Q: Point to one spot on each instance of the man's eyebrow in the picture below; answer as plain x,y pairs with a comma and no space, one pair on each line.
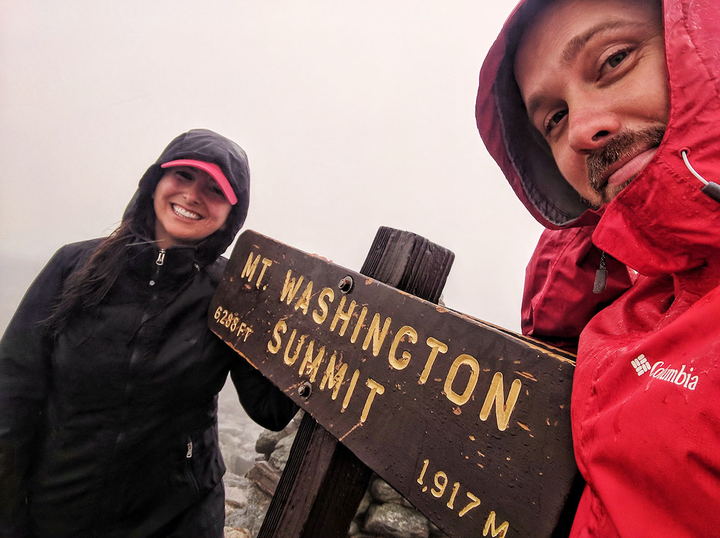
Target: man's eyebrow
573,48
576,44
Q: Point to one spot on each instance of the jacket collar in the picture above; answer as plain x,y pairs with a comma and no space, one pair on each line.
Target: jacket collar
165,267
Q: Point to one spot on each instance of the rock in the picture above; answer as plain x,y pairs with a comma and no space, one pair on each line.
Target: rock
382,492
395,520
236,533
264,476
250,516
233,480
364,503
267,440
279,457
235,497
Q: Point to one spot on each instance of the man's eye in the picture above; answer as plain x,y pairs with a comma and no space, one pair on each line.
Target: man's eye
556,118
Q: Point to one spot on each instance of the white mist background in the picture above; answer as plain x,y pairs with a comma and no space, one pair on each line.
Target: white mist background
355,115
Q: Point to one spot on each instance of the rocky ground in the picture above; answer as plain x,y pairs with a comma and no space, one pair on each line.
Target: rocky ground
255,458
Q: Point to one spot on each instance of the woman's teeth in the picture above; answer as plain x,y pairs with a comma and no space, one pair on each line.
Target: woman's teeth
182,212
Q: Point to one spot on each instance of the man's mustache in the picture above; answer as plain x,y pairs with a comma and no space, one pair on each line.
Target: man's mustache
619,147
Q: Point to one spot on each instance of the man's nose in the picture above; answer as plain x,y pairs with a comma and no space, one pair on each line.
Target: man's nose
590,127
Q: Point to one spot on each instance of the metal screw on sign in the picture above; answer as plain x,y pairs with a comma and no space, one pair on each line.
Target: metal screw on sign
305,390
346,284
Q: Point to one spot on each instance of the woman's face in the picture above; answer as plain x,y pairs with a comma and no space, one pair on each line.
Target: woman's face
189,206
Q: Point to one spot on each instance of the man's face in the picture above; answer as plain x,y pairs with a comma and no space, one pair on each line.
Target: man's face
592,76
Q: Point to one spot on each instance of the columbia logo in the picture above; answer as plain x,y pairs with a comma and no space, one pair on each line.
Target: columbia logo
641,365
684,377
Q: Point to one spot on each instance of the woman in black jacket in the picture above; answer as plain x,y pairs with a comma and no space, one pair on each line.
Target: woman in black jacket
109,374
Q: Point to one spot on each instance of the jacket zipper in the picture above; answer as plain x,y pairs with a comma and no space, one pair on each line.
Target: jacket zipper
134,357
158,264
188,467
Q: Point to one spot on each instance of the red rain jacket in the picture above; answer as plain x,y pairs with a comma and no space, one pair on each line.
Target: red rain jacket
558,298
646,422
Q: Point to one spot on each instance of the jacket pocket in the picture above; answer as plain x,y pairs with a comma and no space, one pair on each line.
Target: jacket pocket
189,474
204,466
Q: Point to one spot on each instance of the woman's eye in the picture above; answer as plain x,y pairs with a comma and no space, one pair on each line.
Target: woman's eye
617,58
184,175
215,190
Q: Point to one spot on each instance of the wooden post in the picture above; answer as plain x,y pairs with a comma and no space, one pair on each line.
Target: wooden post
323,482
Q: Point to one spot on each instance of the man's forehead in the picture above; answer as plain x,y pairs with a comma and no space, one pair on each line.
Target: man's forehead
565,27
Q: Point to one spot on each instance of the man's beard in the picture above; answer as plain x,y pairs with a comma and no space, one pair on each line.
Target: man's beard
619,147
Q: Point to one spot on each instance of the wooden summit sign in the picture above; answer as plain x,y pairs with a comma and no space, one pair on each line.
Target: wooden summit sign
471,423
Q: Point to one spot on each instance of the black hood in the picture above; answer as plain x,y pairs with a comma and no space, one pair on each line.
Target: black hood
202,145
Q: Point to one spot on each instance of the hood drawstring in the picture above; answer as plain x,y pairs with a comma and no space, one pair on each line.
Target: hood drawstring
711,188
600,276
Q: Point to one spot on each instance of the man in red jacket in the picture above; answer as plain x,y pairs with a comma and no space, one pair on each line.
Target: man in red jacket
603,116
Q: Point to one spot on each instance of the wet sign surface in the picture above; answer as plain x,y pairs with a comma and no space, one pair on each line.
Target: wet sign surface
470,422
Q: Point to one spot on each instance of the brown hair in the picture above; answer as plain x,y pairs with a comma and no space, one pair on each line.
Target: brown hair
90,283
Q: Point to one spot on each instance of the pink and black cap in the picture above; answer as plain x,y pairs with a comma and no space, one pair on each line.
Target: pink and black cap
213,169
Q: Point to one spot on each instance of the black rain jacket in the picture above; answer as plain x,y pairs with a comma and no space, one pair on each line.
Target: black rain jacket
110,429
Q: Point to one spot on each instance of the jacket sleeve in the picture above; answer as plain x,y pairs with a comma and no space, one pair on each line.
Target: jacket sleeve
558,299
263,402
25,380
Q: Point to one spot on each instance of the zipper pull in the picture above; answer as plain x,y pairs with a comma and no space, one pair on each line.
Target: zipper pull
600,276
189,450
160,260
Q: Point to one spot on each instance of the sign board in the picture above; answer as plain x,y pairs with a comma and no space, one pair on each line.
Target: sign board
471,423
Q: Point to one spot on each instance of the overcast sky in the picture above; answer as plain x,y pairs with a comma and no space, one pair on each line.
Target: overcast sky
355,115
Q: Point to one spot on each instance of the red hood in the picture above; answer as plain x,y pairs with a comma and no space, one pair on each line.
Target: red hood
692,44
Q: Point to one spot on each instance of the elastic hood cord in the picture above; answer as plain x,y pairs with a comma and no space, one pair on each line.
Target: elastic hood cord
600,276
711,188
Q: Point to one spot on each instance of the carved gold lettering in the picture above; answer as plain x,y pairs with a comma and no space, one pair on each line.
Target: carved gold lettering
454,397
319,318
288,359
266,263
474,501
279,326
436,346
303,302
310,366
496,394
396,363
250,266
350,390
375,335
290,287
496,532
440,483
375,388
344,316
332,379
359,324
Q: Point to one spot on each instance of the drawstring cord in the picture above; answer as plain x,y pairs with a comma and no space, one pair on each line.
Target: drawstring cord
711,189
600,276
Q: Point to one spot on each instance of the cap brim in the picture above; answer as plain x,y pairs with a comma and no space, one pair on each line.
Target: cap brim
215,172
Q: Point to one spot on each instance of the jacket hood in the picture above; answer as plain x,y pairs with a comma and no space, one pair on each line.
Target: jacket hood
203,145
692,51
